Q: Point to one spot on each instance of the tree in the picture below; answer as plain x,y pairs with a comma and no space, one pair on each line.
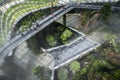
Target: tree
65,35
115,75
83,71
62,74
75,66
41,72
86,16
51,40
105,12
117,48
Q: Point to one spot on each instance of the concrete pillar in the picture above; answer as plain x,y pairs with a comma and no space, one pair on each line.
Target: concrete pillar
64,19
52,76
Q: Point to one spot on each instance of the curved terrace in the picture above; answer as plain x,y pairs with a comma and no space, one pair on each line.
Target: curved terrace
13,14
40,37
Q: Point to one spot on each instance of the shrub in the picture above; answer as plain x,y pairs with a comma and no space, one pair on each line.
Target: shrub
62,74
42,73
65,35
83,71
75,66
115,75
51,40
105,12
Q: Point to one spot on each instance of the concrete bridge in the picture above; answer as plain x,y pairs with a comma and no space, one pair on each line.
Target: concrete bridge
72,49
41,24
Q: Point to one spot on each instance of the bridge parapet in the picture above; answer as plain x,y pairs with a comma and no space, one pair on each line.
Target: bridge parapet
95,1
17,40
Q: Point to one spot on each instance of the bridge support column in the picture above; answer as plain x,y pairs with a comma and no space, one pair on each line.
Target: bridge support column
64,19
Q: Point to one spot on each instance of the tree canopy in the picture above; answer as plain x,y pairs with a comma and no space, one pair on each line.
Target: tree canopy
75,66
62,74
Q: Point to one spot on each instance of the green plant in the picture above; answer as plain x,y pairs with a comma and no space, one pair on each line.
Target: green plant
60,28
111,45
65,35
41,72
98,64
74,66
86,15
105,12
80,75
83,71
12,14
51,40
62,74
115,75
117,48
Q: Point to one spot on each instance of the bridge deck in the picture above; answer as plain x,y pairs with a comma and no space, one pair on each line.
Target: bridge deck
75,50
13,43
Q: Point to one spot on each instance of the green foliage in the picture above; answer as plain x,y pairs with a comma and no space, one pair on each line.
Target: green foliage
117,48
86,15
66,34
64,42
59,31
110,38
105,12
33,45
101,66
51,40
39,0
99,63
108,46
28,20
63,34
80,75
111,45
91,57
84,20
74,66
77,76
60,28
62,74
115,75
58,35
83,71
42,73
26,23
12,14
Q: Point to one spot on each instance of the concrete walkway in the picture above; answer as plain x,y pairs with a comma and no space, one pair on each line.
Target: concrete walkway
25,58
17,40
69,53
97,36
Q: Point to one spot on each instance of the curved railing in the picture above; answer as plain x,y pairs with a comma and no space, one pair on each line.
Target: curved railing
10,45
13,14
94,1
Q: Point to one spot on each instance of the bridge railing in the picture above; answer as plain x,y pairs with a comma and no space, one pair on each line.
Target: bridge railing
17,40
94,1
12,17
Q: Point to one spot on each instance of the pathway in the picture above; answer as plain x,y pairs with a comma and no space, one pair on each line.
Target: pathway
69,53
97,36
26,58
